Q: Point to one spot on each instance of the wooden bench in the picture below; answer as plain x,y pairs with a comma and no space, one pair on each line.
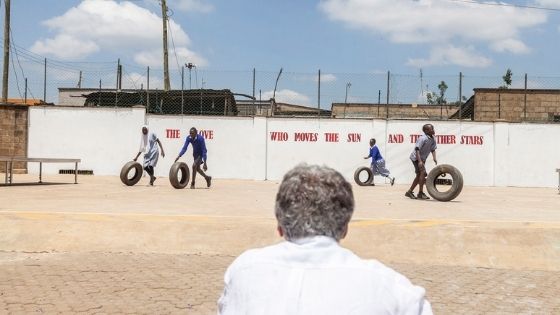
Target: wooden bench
9,160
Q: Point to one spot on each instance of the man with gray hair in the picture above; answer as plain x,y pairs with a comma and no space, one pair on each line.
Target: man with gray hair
310,273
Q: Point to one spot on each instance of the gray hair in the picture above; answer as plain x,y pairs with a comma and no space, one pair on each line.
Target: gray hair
314,200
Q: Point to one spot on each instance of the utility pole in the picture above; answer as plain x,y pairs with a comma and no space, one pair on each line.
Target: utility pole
166,85
6,52
189,66
80,80
348,85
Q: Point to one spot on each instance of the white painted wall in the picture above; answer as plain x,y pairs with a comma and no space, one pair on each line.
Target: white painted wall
524,155
527,155
343,155
235,150
103,138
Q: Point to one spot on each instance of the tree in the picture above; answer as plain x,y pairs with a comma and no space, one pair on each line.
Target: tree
442,89
507,79
434,99
431,98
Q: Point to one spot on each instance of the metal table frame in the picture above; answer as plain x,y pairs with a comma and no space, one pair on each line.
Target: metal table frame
558,170
9,176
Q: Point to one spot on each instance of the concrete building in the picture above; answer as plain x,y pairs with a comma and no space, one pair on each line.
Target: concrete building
516,105
408,111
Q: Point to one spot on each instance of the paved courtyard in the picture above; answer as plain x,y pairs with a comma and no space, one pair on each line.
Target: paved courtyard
128,283
101,247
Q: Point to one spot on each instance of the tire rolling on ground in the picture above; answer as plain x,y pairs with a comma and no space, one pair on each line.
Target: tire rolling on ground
127,168
368,181
456,185
179,175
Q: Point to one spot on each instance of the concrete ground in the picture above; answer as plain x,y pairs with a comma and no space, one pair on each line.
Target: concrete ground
102,247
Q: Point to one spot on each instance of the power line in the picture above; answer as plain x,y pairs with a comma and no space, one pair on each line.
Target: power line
17,78
19,64
68,64
502,4
174,48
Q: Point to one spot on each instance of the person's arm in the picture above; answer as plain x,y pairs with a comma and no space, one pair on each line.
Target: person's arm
204,154
369,155
419,144
161,147
434,147
140,149
418,158
184,149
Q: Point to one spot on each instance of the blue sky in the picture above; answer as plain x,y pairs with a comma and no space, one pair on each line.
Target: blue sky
343,38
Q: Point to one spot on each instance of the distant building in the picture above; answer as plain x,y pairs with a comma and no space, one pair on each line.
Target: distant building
408,111
516,105
29,101
264,108
512,105
186,102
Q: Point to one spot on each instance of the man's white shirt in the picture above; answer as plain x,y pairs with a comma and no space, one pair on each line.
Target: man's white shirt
316,276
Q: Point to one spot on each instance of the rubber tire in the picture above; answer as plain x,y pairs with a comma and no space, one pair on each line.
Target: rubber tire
456,186
357,176
132,165
174,172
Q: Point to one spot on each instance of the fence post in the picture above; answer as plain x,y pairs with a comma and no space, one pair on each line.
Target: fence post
319,94
388,93
460,96
254,83
118,82
148,90
378,103
45,83
182,89
525,100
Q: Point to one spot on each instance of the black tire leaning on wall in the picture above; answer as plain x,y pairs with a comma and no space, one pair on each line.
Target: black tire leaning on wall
368,181
176,168
456,186
132,165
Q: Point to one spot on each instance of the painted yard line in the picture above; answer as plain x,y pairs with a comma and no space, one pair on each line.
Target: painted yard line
358,222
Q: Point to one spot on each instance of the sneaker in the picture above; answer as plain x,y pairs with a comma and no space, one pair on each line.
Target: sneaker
410,195
392,181
152,180
422,195
208,181
192,186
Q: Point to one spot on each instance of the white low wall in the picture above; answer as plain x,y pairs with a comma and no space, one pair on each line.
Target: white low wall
487,154
103,138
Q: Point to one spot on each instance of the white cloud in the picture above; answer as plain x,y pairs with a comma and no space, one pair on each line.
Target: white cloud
287,96
120,27
552,4
65,46
153,58
328,77
193,6
434,21
451,55
511,45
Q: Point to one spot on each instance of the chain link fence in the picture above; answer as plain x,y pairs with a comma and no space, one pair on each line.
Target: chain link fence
201,91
